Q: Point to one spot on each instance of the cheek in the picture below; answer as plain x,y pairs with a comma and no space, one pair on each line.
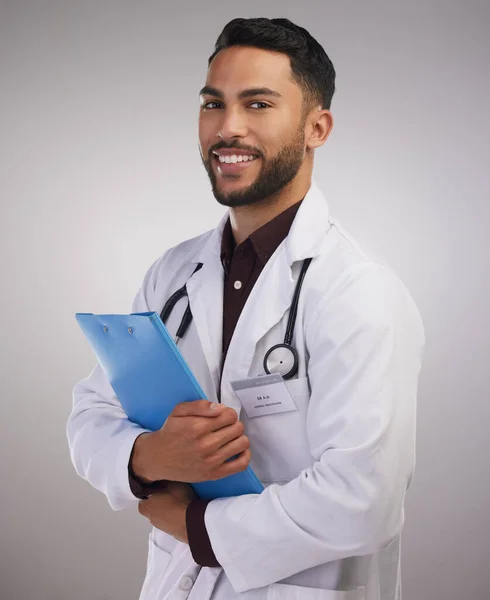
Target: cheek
270,140
207,133
202,139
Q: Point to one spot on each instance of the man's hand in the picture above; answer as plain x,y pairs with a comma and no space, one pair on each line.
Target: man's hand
166,510
193,445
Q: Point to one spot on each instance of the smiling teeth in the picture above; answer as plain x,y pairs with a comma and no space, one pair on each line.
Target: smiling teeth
235,158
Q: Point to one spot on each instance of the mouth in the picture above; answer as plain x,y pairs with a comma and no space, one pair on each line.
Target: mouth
233,163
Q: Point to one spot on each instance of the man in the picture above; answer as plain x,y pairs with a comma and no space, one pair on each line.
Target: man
336,464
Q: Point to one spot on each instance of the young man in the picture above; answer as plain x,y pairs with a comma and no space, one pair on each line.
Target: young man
337,461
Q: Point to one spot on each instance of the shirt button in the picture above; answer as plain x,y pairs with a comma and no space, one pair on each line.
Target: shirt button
237,285
186,583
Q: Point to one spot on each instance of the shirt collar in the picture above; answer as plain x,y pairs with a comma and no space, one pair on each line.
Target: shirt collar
264,240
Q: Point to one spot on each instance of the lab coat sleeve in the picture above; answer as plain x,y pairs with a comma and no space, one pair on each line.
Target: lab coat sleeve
100,436
365,343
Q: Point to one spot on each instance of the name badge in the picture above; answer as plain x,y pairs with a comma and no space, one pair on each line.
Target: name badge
264,395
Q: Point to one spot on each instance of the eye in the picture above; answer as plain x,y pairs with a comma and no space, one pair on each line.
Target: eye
206,105
211,105
264,105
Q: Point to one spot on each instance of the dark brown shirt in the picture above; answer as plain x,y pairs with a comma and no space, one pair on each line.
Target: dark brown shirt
242,265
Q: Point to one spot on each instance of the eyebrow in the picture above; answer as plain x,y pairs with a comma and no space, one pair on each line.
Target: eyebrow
248,93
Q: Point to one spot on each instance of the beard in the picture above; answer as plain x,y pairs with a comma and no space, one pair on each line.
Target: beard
273,176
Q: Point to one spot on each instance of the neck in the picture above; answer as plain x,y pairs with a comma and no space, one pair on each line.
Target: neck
245,220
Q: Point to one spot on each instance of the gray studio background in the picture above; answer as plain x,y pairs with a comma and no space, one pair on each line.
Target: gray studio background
100,173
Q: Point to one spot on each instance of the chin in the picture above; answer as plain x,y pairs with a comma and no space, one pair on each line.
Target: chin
225,194
231,201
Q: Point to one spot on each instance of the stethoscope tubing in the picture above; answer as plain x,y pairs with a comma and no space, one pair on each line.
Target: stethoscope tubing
288,337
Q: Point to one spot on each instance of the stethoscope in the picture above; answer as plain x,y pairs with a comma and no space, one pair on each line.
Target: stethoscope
281,358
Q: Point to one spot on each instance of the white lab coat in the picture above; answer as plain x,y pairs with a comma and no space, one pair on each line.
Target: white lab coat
327,526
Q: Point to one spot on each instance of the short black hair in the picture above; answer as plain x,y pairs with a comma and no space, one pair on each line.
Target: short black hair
311,67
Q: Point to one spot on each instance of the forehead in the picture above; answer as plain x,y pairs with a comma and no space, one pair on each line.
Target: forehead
240,67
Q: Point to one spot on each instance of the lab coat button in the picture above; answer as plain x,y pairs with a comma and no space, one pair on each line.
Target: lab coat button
237,285
186,583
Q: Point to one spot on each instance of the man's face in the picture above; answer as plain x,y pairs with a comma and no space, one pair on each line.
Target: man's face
250,99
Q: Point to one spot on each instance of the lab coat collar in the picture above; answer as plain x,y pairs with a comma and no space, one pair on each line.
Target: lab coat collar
309,227
312,217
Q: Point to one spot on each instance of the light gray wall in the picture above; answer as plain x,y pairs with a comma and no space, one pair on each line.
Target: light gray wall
100,173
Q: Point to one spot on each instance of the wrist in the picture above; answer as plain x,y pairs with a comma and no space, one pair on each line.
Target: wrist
139,458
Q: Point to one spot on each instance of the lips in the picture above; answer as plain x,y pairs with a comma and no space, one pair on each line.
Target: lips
236,167
232,151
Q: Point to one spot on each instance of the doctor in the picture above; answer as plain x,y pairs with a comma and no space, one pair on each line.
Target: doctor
334,447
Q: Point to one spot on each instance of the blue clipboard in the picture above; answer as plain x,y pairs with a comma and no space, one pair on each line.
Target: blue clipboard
150,377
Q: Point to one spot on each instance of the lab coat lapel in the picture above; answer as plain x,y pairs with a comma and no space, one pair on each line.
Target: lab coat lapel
205,291
269,299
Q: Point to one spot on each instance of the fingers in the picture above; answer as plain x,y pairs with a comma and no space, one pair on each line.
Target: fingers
233,448
227,417
237,465
224,435
197,408
222,416
181,491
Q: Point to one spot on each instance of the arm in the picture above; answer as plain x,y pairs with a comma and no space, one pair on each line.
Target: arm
139,486
365,347
119,458
100,436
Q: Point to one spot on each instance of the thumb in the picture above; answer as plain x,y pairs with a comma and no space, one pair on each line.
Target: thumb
181,491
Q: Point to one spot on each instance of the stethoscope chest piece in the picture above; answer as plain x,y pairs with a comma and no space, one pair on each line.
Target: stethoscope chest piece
282,359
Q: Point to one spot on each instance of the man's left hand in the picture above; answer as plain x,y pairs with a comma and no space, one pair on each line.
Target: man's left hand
166,509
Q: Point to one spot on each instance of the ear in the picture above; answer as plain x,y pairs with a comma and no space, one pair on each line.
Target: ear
320,126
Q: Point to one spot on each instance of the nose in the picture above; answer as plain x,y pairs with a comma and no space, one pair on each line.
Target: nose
232,124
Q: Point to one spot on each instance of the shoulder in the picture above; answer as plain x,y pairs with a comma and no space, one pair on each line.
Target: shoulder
174,258
351,281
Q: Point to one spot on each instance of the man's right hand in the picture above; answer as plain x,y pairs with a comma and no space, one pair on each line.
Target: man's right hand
193,445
